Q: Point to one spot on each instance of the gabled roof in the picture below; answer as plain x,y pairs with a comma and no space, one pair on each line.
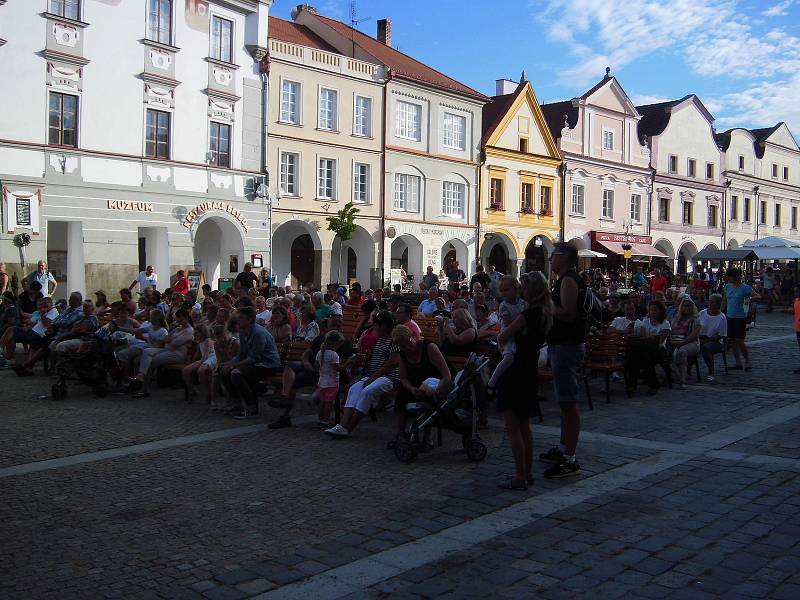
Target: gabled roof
763,134
554,115
401,64
498,113
286,31
496,109
723,140
655,117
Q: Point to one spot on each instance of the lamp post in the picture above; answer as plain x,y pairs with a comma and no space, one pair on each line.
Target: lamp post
626,225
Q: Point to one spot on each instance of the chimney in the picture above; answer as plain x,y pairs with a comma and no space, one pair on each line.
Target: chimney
504,86
300,8
385,31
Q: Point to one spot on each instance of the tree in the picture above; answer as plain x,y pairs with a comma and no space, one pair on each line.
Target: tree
343,225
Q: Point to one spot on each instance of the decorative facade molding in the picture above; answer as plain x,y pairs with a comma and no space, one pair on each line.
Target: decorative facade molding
64,77
69,59
687,196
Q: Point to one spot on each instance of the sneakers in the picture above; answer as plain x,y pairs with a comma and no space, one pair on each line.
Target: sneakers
246,414
281,423
337,431
554,455
711,379
562,469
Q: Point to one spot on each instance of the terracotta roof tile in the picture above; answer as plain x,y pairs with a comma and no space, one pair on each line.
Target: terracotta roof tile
286,31
401,64
495,110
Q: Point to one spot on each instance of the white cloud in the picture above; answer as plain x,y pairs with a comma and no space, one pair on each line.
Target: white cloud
642,99
778,10
762,105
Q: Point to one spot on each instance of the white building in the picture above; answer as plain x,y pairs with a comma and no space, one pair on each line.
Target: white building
688,187
135,135
762,173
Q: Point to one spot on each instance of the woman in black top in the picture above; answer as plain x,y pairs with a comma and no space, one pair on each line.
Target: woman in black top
529,330
423,372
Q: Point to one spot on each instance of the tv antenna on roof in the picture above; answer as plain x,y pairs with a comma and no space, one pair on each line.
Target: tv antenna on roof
354,22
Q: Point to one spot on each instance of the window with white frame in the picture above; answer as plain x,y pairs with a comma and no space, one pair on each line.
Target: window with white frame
741,162
290,102
289,180
608,139
712,215
673,164
407,120
777,221
746,210
709,171
688,212
159,21
636,208
326,179
691,168
71,9
221,39
327,109
453,196
794,217
63,120
453,128
578,204
219,144
360,183
157,134
786,173
608,204
545,199
406,192
362,116
775,170
734,216
663,209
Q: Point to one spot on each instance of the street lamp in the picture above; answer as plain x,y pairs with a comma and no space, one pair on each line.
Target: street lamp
626,225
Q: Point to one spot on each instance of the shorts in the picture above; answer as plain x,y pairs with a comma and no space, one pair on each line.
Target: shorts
30,337
737,328
566,361
302,376
328,395
211,361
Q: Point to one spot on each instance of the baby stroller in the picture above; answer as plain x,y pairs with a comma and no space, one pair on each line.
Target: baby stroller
89,367
458,413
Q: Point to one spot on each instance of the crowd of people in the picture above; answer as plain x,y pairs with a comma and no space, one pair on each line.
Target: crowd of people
225,343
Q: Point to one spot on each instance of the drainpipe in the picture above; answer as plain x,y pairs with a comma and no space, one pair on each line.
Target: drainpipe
562,170
481,163
724,214
382,210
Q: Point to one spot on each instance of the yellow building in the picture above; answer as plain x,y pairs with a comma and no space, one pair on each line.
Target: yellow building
520,190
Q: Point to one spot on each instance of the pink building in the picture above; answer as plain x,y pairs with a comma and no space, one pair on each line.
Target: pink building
608,179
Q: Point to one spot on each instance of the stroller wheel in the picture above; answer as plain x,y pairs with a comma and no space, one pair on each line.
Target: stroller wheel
476,451
405,451
55,391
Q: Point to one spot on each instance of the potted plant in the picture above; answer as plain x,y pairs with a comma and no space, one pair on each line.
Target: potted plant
527,210
495,206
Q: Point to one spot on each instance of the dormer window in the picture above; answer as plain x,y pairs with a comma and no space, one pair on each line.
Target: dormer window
608,139
741,162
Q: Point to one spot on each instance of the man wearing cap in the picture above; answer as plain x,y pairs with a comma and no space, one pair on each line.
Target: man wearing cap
44,277
247,279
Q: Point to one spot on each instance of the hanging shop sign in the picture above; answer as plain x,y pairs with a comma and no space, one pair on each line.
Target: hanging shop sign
601,236
204,207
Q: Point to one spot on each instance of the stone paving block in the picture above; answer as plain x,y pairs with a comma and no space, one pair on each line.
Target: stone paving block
224,593
237,576
257,586
753,589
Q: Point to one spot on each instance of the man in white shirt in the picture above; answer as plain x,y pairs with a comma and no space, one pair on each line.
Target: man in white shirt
145,279
713,328
627,322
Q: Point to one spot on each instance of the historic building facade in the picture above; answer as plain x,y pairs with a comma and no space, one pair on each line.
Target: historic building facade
147,154
762,176
520,187
325,149
431,143
688,194
607,178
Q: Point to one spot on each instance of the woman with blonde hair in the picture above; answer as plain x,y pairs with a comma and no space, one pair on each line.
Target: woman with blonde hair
458,334
529,330
683,341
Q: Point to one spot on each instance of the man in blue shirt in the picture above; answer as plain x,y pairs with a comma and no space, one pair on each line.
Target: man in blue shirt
428,306
735,294
258,358
44,277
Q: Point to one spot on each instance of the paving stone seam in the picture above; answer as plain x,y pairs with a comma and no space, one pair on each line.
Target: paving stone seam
368,571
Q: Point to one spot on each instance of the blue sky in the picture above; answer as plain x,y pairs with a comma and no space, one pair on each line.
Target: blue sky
742,58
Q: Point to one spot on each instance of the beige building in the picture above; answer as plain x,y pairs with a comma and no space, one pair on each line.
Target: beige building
432,131
325,144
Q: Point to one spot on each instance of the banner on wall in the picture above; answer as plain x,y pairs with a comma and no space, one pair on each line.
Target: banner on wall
197,15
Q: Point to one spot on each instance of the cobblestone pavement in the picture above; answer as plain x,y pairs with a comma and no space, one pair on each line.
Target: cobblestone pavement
691,494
